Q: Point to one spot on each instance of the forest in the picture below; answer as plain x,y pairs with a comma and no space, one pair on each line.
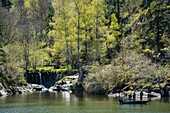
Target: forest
117,42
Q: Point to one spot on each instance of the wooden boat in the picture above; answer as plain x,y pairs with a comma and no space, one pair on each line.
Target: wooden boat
123,101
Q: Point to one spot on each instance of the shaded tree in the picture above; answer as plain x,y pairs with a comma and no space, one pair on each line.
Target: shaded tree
155,29
6,4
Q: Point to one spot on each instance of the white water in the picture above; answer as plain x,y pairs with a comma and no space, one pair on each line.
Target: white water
40,79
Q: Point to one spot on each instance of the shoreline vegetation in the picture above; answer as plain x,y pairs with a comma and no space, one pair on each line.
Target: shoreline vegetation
114,80
96,47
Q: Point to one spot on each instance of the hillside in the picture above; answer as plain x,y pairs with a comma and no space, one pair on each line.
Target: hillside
119,42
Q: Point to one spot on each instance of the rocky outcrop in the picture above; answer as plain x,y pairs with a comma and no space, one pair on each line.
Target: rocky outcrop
30,88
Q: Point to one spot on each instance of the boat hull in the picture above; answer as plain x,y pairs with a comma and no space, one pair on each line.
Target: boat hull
133,101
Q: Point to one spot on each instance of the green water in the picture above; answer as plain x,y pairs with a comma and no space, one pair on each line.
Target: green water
69,103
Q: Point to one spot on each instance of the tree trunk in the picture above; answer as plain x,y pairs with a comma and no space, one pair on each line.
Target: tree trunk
78,43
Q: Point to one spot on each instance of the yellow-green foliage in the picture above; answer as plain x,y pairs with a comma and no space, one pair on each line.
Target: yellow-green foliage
29,40
48,68
94,34
29,3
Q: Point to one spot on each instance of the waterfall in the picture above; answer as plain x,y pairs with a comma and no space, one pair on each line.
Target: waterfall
47,79
40,78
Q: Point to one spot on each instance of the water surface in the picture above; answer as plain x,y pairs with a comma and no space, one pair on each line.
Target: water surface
69,103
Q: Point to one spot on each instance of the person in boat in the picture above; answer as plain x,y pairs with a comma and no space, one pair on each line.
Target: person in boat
129,94
134,95
120,100
141,95
123,101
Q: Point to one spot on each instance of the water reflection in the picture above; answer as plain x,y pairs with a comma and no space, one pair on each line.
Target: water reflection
65,102
165,99
66,96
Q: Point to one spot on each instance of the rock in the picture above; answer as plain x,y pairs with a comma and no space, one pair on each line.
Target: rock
3,93
116,94
13,91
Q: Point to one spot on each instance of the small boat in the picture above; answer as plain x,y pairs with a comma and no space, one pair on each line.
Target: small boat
123,101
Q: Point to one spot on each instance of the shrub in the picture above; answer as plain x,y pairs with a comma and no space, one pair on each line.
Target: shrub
124,70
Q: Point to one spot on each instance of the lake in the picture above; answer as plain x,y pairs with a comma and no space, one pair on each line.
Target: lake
64,102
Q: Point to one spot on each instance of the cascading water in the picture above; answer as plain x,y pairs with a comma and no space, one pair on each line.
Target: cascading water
47,79
40,79
43,88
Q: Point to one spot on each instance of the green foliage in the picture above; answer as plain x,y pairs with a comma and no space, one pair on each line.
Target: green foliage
49,17
94,34
45,68
50,69
154,30
21,79
74,33
1,34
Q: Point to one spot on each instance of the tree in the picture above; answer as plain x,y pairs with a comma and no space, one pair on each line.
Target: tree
92,30
106,33
39,14
112,38
63,33
155,29
6,4
78,7
7,26
12,51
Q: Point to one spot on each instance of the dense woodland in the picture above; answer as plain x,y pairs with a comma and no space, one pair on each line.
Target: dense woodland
118,42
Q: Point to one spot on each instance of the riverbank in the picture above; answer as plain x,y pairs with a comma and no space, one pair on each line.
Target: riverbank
29,88
34,88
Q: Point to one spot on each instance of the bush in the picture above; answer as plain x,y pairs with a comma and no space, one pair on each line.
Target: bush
123,71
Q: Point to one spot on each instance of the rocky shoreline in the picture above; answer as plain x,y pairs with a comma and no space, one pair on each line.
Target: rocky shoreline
30,88
16,90
71,85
